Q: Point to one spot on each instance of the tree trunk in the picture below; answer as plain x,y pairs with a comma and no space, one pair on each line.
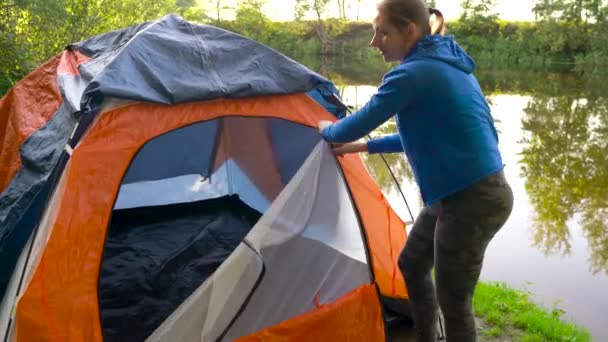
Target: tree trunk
218,5
324,39
321,33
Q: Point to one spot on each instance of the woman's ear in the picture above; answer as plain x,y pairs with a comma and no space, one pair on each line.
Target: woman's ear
412,30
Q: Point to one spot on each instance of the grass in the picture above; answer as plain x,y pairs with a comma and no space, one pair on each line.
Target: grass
510,314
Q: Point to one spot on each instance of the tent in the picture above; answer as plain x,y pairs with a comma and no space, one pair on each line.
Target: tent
166,182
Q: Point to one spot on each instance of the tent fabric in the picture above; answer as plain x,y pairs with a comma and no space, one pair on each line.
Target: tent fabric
322,238
7,303
264,154
143,237
311,224
34,127
155,257
211,307
29,259
245,141
175,153
25,109
354,317
384,231
37,127
139,63
291,144
113,141
228,179
67,93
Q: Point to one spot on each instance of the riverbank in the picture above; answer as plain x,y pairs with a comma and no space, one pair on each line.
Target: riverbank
506,314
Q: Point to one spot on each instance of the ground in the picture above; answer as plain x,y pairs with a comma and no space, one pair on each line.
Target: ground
405,333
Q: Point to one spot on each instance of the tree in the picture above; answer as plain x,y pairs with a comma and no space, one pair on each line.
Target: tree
571,27
219,6
184,5
35,30
478,9
11,65
341,9
251,20
478,19
302,7
577,12
319,8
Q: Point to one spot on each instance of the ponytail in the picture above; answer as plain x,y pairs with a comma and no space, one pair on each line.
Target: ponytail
436,22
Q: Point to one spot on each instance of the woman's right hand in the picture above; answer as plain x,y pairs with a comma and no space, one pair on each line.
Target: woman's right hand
353,147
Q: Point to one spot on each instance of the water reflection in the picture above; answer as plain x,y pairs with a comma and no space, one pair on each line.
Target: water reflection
565,164
396,161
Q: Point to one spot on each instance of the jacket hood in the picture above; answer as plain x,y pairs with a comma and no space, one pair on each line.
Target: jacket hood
444,49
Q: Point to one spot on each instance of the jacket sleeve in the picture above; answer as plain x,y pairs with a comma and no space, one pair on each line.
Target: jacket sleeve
385,144
392,96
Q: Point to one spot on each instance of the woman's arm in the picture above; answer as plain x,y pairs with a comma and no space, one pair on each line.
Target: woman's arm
391,97
354,147
385,144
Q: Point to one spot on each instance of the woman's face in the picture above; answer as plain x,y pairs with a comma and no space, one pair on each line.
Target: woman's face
393,42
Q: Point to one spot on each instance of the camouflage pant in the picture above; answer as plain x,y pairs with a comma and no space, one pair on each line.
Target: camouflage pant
452,235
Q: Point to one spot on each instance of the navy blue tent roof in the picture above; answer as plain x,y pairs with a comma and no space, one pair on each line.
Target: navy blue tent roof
172,60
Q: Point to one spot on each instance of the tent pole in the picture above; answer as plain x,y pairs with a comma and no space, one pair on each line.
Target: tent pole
398,186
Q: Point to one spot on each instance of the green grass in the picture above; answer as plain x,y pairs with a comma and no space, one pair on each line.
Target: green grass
511,313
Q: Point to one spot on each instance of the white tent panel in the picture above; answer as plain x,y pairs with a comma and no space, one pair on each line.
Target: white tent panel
311,245
229,179
315,204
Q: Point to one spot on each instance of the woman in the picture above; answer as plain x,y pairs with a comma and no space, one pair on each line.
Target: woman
447,132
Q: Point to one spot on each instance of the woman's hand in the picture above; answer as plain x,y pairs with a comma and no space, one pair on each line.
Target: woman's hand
354,147
340,149
323,124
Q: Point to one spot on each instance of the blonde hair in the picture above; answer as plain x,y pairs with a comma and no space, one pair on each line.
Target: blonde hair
402,12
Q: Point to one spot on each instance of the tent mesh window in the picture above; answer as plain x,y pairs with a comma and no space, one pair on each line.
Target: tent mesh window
187,200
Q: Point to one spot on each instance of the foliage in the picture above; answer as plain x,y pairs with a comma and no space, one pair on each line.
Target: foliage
35,30
252,21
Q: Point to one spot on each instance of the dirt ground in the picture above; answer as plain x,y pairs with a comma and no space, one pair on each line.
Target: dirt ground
401,333
405,333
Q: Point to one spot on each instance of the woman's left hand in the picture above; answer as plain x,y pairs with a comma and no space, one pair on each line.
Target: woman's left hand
323,124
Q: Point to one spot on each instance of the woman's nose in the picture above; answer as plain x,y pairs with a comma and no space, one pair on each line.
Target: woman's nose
373,42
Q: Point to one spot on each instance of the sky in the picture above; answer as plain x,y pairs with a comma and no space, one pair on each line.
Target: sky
282,10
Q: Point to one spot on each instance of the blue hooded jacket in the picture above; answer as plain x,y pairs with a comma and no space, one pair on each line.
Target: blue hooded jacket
444,122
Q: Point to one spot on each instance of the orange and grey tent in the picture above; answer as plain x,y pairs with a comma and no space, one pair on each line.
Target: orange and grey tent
166,182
